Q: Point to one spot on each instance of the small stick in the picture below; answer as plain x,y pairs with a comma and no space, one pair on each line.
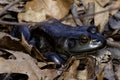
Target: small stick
29,23
110,9
19,24
113,44
115,32
13,23
75,16
8,6
91,9
93,14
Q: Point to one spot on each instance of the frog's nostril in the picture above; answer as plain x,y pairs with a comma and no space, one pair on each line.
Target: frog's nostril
93,29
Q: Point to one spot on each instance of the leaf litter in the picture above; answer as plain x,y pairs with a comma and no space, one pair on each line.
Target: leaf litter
19,57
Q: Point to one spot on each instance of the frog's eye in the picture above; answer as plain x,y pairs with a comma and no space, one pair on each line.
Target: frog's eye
71,43
93,29
84,39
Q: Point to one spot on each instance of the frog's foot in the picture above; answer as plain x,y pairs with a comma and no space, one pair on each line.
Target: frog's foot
56,58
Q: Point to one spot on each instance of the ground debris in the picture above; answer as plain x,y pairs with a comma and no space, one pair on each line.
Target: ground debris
19,58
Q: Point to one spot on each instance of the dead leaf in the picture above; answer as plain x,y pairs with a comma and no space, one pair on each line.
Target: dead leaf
23,64
39,10
90,67
6,55
32,50
101,19
101,75
69,21
82,75
115,4
19,7
8,42
27,65
72,73
103,3
87,1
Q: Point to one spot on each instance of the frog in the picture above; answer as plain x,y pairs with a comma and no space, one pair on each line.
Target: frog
56,40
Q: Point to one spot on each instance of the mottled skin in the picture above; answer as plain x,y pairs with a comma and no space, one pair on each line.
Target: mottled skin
58,38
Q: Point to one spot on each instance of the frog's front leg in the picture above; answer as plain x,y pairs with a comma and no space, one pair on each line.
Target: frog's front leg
17,32
55,57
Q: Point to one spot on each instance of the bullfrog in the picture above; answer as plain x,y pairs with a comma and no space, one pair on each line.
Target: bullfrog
54,38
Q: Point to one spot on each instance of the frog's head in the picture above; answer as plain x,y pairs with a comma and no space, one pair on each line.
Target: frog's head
86,40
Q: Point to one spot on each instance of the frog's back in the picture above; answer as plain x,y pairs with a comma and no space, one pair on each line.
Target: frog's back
57,29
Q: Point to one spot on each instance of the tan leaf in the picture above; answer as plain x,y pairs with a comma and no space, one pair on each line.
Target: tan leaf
115,4
8,42
101,75
90,67
27,65
39,10
103,3
72,73
101,19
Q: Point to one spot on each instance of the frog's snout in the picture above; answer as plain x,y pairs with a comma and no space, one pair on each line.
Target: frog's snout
95,43
98,43
97,40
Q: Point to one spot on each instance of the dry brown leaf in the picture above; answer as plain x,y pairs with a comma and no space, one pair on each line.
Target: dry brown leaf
31,49
86,2
115,4
40,10
104,64
6,55
69,21
19,7
101,19
103,3
101,75
8,42
2,34
105,70
23,64
27,65
72,73
90,67
82,75
118,73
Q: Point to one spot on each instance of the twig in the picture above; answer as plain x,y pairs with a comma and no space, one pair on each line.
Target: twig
75,15
8,6
30,23
89,19
93,14
115,32
13,23
113,44
19,24
110,9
